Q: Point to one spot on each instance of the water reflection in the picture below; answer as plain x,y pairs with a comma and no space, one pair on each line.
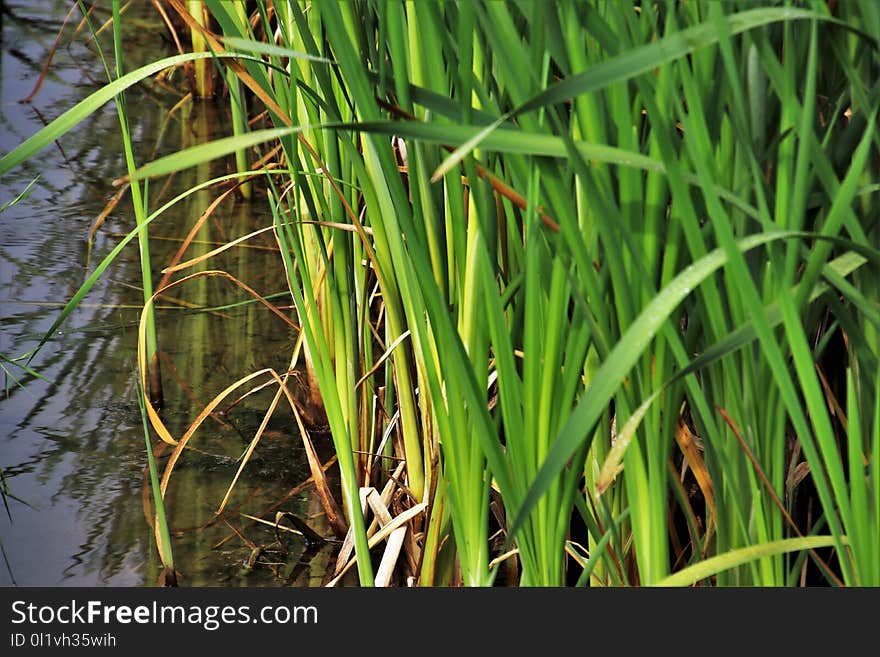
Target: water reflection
74,449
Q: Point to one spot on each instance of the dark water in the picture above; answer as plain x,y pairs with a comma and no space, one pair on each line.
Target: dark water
72,451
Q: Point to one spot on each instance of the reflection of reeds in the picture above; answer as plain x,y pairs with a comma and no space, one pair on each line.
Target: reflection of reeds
6,495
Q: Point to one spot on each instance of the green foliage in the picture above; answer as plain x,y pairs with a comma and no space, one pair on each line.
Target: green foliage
598,272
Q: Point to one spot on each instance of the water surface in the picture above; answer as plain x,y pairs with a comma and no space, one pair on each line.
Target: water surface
72,451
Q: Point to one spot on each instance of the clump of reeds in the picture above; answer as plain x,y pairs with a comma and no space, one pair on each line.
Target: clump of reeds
588,290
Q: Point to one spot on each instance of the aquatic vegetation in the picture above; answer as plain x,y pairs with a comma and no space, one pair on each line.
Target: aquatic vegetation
585,293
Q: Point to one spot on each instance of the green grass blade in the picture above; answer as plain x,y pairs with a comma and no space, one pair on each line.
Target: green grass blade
598,551
22,195
23,367
195,155
260,48
87,107
163,536
714,565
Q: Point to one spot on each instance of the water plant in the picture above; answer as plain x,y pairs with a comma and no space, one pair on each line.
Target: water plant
587,290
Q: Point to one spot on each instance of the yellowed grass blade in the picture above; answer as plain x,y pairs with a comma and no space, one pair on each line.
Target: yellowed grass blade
210,254
688,445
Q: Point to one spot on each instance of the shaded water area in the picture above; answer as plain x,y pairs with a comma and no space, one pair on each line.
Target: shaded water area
73,451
